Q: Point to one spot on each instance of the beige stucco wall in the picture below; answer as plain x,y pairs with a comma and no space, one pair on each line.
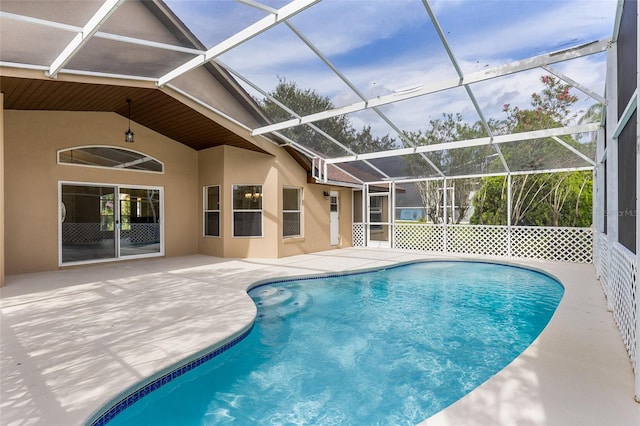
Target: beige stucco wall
32,176
32,139
2,272
251,168
315,215
211,172
227,166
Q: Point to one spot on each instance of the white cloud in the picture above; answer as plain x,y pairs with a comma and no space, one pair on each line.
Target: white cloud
341,29
554,24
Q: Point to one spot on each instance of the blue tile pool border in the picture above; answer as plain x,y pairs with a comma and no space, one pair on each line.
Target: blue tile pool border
130,398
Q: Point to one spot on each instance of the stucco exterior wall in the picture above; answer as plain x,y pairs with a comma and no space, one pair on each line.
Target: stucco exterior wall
32,139
2,272
250,168
211,172
32,176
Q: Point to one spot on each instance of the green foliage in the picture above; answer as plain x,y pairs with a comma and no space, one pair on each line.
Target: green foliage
490,202
305,102
451,162
541,199
549,108
555,199
550,199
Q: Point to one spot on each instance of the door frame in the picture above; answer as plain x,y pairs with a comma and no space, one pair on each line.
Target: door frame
334,219
386,226
116,187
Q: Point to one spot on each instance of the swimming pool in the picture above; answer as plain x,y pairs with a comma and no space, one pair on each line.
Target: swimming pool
388,347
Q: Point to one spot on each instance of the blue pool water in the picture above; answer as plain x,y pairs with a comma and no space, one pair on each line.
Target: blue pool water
387,347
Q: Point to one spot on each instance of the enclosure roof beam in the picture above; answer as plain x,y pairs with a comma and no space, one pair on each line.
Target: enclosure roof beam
293,113
100,34
575,151
357,91
631,107
575,84
456,65
513,137
82,37
483,175
507,69
284,13
342,77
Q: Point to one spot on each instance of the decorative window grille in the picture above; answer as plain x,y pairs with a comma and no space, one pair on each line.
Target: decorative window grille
109,157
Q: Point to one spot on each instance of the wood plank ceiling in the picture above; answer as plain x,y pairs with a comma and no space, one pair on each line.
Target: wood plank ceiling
151,108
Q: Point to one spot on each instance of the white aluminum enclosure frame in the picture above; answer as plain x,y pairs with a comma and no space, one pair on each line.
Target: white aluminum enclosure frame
275,17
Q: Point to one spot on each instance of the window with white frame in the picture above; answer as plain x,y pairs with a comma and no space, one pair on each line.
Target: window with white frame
109,157
211,207
291,212
247,210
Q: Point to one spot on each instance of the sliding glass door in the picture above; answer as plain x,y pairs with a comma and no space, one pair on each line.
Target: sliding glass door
102,222
139,221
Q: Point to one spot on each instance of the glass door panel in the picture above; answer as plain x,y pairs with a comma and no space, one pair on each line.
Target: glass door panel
88,223
139,221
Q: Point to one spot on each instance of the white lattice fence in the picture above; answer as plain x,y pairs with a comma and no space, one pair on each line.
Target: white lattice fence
528,242
552,243
601,260
83,233
358,235
623,287
419,237
142,233
479,239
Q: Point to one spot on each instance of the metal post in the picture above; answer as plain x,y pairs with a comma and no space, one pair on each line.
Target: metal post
365,215
392,214
637,360
509,214
453,203
444,214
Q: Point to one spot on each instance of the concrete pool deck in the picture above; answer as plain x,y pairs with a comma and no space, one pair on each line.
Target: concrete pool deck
74,339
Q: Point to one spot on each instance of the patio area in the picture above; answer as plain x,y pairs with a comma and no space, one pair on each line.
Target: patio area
75,339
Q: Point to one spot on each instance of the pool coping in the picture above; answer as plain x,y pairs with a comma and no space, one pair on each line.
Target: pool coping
125,399
252,272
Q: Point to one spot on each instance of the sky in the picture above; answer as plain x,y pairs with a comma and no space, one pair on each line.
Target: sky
387,46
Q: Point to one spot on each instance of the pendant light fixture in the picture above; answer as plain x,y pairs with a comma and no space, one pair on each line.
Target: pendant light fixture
128,135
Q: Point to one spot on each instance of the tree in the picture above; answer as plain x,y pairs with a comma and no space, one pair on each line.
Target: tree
551,199
450,127
490,202
305,102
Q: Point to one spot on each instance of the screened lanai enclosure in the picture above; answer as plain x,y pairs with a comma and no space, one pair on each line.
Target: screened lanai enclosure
492,128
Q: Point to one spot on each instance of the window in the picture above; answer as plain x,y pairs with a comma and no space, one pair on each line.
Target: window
109,157
291,201
247,210
211,207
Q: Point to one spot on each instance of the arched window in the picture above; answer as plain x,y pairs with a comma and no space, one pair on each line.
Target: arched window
109,157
